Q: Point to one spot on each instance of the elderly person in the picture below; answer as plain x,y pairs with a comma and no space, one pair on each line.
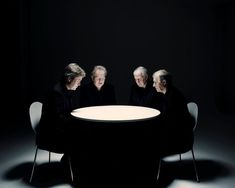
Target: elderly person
141,91
98,91
177,124
61,99
94,93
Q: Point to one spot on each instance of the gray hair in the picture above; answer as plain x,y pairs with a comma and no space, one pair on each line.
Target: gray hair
164,76
98,67
141,70
72,71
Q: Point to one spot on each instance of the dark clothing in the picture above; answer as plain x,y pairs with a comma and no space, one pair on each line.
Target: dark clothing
175,132
90,138
176,115
91,96
141,96
147,97
56,118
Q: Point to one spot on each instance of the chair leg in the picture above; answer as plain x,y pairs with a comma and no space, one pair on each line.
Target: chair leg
70,168
195,168
34,163
49,156
159,168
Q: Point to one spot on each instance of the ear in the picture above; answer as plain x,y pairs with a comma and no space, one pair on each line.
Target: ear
69,80
163,83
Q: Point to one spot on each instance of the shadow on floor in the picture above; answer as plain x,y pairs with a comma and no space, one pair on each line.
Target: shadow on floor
45,175
208,170
55,173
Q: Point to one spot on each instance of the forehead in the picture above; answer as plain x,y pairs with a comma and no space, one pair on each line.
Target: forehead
78,78
156,78
139,76
99,72
138,73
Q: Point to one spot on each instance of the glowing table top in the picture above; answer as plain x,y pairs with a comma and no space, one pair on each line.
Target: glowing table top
115,113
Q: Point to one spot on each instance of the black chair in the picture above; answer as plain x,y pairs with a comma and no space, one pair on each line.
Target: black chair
193,110
35,111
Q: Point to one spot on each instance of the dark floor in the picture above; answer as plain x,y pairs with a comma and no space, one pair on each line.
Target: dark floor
214,151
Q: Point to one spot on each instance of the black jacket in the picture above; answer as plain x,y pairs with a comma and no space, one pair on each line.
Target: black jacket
90,96
56,119
141,96
177,123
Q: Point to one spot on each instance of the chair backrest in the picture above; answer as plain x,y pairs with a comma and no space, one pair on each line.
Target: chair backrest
35,112
193,110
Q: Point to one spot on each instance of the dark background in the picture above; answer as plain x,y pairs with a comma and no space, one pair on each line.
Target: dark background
193,39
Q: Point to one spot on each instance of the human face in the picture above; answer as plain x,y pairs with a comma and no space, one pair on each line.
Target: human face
140,80
99,79
157,84
75,83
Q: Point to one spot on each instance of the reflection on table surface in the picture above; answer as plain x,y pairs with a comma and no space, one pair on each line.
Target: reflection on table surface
115,113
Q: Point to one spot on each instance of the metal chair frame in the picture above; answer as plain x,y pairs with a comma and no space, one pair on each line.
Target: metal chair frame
193,110
35,111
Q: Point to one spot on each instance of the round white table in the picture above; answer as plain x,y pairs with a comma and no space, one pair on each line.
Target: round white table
115,113
109,133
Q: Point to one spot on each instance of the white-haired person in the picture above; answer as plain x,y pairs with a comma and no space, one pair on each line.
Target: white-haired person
98,91
58,102
176,129
142,93
141,90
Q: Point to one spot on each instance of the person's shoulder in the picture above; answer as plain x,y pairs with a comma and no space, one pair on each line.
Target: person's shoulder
87,86
177,94
178,91
57,87
157,95
108,85
133,86
52,92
